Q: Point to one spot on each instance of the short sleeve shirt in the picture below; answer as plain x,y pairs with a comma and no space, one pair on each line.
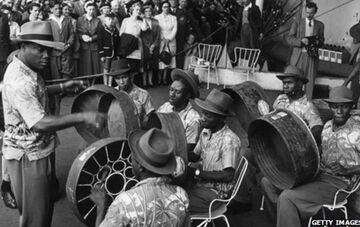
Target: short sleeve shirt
25,102
218,151
342,144
190,119
152,202
302,107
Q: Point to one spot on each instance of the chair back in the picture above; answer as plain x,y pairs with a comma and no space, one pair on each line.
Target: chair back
239,176
246,58
208,52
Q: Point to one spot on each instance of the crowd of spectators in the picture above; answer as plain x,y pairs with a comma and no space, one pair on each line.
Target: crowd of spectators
99,33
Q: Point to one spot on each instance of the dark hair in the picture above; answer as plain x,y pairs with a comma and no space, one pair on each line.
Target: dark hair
162,3
32,5
52,5
312,5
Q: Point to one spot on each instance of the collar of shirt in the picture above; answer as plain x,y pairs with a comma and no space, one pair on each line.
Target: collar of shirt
208,134
58,20
88,18
155,180
246,8
25,68
307,22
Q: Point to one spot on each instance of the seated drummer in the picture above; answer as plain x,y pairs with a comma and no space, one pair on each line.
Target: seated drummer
340,164
218,149
294,99
152,201
183,88
141,97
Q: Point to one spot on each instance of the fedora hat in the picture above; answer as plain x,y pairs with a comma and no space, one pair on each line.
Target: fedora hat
292,71
120,68
216,102
39,32
154,150
340,94
189,77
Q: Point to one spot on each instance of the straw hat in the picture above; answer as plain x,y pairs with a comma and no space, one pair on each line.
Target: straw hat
154,150
216,102
39,32
292,71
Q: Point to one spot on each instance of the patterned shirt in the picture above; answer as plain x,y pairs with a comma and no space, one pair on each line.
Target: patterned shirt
25,102
152,202
142,101
342,144
217,152
302,107
190,119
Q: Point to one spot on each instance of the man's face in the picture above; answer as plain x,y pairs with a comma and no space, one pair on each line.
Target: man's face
173,3
290,85
57,10
182,4
147,13
66,11
9,3
115,6
35,12
341,112
124,82
177,93
36,56
209,120
310,13
90,10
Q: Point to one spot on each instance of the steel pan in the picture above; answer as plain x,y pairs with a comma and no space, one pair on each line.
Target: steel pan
248,98
284,148
118,105
106,162
173,126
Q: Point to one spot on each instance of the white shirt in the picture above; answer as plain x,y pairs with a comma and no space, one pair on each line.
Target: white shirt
309,31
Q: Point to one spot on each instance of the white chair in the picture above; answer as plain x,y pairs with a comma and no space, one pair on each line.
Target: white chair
220,212
246,59
207,58
339,205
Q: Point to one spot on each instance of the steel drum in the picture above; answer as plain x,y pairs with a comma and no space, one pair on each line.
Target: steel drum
173,126
118,105
107,162
284,148
249,98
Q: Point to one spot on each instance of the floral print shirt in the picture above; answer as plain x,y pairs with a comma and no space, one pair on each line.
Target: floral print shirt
302,107
218,151
190,119
152,202
25,102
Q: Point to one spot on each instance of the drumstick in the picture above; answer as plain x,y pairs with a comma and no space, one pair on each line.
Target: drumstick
85,77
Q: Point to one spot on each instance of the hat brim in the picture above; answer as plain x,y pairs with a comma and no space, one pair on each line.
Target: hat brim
211,108
133,141
286,75
120,73
52,44
338,100
181,74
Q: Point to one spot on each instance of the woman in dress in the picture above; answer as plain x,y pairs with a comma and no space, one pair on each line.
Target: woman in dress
133,26
151,41
87,27
168,27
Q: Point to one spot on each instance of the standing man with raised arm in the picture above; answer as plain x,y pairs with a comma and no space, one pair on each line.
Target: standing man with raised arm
29,138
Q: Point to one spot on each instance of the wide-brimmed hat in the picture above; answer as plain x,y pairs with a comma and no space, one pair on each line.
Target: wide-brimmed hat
292,71
340,94
154,150
189,77
39,32
216,102
121,67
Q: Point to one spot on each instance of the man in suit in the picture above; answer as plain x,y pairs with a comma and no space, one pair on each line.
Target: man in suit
297,39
